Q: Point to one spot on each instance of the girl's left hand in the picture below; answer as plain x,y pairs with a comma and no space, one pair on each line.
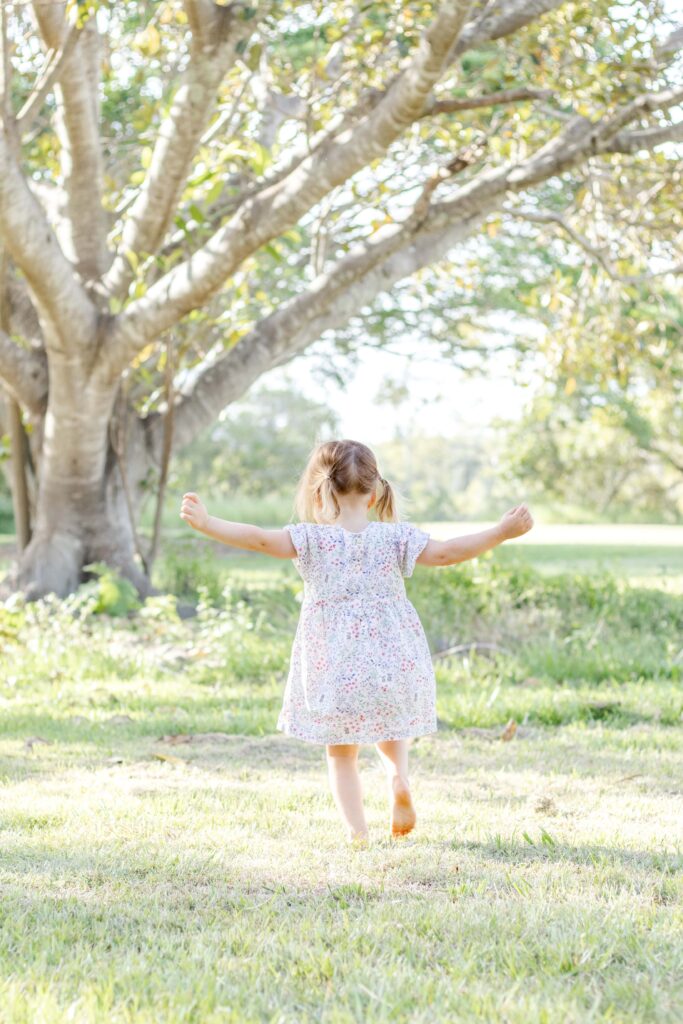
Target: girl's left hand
193,511
516,521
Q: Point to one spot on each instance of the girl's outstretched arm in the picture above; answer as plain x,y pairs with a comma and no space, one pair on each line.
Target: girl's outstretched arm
277,543
514,523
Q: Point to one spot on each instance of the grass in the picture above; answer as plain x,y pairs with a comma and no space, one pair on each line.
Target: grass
543,884
150,872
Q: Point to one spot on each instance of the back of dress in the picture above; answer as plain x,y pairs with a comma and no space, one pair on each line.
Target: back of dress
361,670
337,564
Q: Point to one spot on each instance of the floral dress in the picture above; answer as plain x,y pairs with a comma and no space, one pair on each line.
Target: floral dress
360,669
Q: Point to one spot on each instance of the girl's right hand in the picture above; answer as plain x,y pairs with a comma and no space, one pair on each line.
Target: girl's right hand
516,521
193,511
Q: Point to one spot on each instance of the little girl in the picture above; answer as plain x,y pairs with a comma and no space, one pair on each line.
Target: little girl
361,670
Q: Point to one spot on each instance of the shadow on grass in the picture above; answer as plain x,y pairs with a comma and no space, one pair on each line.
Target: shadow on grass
614,754
512,852
145,883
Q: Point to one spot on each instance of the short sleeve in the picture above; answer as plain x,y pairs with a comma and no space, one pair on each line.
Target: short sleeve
301,541
411,541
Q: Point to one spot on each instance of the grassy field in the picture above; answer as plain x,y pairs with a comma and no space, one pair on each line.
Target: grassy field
543,883
165,856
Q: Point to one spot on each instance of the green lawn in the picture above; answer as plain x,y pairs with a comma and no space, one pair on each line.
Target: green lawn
166,856
543,883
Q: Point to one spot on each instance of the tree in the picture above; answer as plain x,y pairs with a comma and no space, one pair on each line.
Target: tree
204,190
607,420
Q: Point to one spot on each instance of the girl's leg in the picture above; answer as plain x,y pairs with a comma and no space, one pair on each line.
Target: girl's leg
342,766
394,756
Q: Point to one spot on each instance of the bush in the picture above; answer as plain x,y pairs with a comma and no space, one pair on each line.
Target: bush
568,626
187,568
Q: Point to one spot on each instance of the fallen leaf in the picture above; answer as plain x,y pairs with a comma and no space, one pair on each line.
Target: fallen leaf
509,731
169,759
546,805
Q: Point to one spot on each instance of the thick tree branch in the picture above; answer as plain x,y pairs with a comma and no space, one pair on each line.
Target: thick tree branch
646,103
5,71
335,296
647,138
501,19
223,208
23,319
206,18
78,109
24,374
217,32
273,210
54,62
30,241
330,302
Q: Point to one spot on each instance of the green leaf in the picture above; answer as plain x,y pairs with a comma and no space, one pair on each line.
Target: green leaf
133,259
116,595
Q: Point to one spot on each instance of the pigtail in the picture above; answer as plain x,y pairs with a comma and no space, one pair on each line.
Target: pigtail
325,505
316,500
386,506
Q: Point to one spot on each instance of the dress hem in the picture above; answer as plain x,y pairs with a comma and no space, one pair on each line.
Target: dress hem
355,739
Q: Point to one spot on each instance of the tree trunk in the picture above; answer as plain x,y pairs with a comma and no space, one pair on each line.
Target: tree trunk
81,513
20,499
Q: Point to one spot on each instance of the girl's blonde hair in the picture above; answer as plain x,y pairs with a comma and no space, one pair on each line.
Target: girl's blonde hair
337,468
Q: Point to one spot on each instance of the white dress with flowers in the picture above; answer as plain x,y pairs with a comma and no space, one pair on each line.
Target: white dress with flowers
360,669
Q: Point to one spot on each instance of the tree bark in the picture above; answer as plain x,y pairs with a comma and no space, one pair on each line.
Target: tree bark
20,501
77,122
81,514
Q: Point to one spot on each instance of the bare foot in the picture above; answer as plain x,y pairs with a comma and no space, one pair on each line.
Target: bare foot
403,816
359,840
